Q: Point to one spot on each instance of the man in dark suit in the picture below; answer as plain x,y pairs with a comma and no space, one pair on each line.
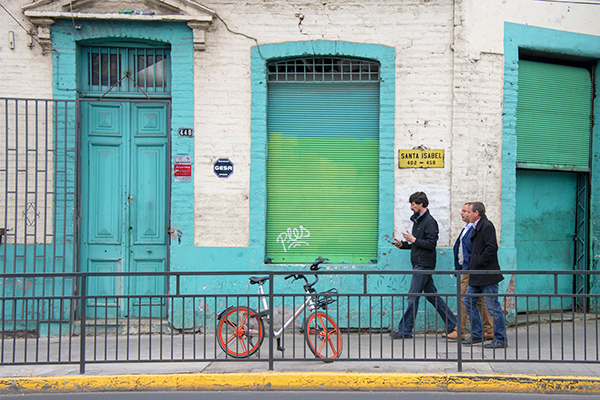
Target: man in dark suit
484,257
462,255
421,242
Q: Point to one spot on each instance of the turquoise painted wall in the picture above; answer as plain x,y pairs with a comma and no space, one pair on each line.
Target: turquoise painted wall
251,258
259,58
552,42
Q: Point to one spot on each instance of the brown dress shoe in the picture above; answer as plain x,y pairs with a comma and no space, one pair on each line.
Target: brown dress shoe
453,335
489,336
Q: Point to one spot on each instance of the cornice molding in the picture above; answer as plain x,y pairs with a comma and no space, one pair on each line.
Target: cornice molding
44,13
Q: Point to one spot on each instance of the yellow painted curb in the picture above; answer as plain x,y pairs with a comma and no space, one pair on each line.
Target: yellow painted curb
304,381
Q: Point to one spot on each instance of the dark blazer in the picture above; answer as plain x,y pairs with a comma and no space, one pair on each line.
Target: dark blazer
484,254
422,251
467,248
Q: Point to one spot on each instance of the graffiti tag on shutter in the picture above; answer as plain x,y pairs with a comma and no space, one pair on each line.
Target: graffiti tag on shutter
292,238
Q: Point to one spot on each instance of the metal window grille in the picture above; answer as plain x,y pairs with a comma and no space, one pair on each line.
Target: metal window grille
125,70
323,70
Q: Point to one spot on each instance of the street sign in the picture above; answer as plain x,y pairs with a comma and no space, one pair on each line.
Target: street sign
421,158
223,168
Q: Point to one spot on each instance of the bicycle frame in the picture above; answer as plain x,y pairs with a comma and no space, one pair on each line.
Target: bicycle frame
308,304
241,328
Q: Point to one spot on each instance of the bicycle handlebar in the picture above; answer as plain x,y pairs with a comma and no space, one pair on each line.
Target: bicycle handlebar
296,277
313,267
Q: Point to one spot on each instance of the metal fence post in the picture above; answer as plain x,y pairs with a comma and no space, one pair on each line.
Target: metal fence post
271,325
82,333
459,332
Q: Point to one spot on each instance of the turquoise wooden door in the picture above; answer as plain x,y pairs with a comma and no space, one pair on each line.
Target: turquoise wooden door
546,208
124,204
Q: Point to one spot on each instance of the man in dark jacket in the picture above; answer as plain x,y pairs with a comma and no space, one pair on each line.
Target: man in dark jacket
484,257
422,244
462,255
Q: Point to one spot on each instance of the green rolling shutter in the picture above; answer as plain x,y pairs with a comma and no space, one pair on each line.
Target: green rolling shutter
322,172
554,109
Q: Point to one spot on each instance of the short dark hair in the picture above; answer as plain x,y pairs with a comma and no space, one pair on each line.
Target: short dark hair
419,198
479,207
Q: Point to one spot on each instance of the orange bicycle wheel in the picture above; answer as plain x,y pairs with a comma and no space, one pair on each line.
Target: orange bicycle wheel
322,335
240,332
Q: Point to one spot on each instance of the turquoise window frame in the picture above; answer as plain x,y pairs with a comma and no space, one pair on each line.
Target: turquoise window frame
550,41
260,56
128,56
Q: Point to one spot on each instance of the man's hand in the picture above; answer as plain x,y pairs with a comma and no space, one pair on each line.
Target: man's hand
397,243
408,237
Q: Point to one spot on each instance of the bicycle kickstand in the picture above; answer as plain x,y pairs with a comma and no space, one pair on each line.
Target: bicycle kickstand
279,347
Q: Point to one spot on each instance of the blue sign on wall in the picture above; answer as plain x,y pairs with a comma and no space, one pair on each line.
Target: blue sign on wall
223,168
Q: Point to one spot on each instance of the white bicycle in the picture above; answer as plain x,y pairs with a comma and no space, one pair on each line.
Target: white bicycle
241,329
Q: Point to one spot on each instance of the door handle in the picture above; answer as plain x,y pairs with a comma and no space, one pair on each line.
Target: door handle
149,250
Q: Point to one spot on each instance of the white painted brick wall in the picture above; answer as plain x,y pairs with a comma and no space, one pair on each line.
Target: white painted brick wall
26,73
448,91
475,157
448,95
27,212
421,31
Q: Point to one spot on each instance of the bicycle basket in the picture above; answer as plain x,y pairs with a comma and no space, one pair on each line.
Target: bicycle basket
323,299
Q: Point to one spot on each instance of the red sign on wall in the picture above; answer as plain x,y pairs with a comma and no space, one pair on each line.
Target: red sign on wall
183,170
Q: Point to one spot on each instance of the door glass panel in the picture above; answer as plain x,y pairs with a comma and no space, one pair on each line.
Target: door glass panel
150,70
104,68
125,70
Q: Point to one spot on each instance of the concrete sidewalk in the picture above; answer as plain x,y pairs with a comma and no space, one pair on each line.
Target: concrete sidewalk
482,369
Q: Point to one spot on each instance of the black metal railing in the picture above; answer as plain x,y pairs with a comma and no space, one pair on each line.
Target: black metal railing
66,323
39,150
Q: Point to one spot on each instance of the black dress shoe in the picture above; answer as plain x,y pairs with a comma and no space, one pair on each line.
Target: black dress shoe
496,345
472,340
400,335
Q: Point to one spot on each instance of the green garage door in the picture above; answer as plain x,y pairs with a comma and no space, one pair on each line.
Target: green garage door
553,153
545,231
323,161
553,115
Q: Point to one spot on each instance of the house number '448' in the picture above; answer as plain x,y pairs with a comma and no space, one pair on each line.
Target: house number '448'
187,132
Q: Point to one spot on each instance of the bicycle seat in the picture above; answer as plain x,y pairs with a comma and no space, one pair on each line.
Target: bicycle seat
258,279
